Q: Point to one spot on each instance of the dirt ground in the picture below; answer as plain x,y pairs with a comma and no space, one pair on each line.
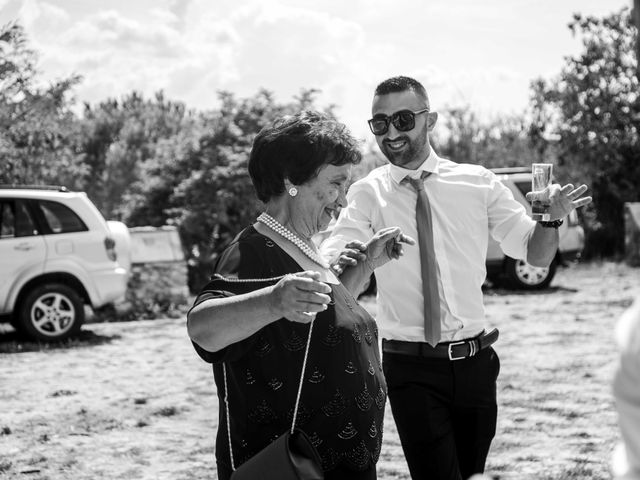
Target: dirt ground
133,401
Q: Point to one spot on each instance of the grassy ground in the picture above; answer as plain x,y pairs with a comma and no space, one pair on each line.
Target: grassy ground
132,400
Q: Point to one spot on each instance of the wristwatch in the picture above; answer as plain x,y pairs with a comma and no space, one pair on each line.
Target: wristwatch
554,224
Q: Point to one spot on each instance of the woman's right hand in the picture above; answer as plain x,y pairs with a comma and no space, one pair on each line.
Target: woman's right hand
299,296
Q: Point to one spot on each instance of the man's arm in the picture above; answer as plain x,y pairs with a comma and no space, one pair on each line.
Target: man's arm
542,246
543,242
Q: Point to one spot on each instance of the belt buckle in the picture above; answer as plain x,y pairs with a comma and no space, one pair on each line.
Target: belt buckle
450,346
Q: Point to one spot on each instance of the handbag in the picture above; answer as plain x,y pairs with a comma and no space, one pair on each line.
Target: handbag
291,456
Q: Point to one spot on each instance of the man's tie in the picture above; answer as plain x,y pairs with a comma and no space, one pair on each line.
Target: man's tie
427,262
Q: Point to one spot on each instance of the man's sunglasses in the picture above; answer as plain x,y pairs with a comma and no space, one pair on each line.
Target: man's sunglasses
404,120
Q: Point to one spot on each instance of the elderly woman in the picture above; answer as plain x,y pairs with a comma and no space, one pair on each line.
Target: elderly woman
270,283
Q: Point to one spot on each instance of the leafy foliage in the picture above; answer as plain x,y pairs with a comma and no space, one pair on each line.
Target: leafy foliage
37,129
118,137
589,116
498,142
198,178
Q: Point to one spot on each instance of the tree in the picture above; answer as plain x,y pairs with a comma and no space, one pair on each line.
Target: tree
590,116
17,62
636,18
496,142
37,128
118,137
198,180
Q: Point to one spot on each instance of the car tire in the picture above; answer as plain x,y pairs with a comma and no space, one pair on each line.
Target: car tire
523,276
14,322
495,280
51,312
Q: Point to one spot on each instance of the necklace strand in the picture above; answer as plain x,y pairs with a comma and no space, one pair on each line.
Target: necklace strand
280,229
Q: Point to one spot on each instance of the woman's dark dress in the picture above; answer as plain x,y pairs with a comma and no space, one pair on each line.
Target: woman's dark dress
344,392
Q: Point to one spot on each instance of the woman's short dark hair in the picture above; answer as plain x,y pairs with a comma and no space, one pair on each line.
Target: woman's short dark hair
297,147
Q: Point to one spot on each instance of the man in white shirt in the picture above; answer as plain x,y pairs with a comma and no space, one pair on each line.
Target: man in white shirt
442,384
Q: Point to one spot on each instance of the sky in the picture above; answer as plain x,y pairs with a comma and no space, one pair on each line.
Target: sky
483,54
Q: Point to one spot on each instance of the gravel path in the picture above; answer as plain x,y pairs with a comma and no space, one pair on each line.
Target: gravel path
133,401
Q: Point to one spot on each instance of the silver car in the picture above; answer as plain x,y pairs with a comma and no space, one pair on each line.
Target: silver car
57,253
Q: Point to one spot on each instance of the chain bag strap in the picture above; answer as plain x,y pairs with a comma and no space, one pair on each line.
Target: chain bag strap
290,456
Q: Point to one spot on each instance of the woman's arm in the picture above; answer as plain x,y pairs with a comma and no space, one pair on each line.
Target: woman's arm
219,322
355,267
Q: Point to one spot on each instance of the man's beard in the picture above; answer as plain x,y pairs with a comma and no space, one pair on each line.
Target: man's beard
411,152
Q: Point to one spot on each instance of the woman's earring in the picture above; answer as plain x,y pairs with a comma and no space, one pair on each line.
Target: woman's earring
293,191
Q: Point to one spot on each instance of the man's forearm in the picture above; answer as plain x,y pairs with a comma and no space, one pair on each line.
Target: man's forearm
543,245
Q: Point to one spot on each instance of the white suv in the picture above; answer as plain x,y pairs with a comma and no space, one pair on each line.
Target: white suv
518,273
57,253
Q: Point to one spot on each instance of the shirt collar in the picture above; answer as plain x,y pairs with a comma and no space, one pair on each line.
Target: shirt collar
429,165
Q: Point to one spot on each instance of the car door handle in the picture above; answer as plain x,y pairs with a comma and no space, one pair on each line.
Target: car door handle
23,246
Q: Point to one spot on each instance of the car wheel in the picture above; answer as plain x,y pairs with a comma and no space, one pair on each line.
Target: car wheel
495,280
522,275
14,322
51,312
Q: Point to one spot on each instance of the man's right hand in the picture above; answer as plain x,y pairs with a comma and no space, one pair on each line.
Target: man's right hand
386,245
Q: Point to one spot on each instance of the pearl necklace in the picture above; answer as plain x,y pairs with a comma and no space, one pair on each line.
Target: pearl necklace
283,231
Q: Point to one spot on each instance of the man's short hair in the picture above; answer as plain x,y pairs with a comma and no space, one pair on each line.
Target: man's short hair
402,84
296,147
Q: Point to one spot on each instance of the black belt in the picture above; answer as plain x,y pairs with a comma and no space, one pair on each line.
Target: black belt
451,350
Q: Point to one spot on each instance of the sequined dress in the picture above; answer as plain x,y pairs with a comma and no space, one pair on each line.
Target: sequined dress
344,392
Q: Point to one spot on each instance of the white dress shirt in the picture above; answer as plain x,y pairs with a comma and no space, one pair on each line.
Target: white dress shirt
468,203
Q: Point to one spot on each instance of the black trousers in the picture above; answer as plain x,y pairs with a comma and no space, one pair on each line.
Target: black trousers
445,412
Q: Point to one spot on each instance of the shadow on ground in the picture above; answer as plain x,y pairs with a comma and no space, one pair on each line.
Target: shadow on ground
491,290
14,342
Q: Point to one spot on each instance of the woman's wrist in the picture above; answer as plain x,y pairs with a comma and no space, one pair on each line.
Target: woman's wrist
369,264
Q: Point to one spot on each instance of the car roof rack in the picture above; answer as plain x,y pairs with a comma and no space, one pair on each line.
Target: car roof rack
57,188
502,170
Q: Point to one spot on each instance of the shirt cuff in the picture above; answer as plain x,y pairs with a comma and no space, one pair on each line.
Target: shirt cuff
516,243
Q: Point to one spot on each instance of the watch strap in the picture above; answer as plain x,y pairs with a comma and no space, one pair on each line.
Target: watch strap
552,224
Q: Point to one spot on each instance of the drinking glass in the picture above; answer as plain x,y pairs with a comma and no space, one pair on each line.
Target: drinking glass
540,180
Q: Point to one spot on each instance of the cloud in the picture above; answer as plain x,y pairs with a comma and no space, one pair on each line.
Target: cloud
43,17
242,48
463,52
111,30
116,54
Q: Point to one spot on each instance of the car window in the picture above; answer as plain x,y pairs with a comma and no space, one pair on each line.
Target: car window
60,218
524,187
15,220
7,220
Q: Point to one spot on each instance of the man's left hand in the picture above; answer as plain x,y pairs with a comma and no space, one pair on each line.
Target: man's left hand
562,200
